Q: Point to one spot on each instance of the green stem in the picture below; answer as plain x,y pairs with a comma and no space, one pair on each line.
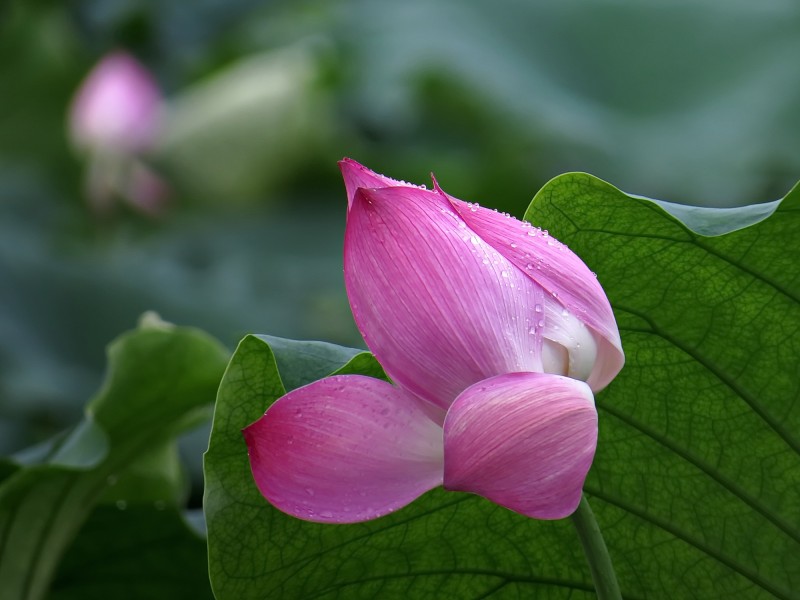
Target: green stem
594,547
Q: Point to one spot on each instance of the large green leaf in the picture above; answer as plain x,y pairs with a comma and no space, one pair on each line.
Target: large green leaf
161,379
696,482
697,473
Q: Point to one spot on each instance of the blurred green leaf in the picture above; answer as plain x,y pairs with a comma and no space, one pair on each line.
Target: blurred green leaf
697,468
143,551
231,138
159,379
156,477
696,121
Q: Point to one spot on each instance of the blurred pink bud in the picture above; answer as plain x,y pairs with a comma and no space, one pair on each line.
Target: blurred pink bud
117,108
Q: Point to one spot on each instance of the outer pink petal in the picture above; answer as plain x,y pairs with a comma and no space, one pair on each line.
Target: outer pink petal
559,271
358,176
522,440
439,307
345,449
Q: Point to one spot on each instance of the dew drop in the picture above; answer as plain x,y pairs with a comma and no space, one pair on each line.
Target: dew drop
309,491
540,323
532,330
485,261
538,308
326,514
529,266
504,274
513,245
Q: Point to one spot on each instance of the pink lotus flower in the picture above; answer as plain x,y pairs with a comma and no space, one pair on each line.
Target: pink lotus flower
495,336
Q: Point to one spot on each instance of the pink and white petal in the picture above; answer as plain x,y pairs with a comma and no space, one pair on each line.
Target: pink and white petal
524,441
570,333
357,176
559,271
438,306
345,449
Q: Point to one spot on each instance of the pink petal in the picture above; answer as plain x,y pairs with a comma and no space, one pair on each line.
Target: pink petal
438,306
345,449
358,176
522,440
560,272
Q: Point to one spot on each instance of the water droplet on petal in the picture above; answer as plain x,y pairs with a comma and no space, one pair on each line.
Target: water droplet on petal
504,274
538,308
309,491
513,245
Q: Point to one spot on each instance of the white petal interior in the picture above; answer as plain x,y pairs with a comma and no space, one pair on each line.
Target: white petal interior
570,347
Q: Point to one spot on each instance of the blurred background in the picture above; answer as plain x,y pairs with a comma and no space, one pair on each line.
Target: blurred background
239,223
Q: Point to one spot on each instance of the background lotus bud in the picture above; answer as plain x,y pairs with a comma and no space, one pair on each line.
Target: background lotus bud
114,118
117,108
